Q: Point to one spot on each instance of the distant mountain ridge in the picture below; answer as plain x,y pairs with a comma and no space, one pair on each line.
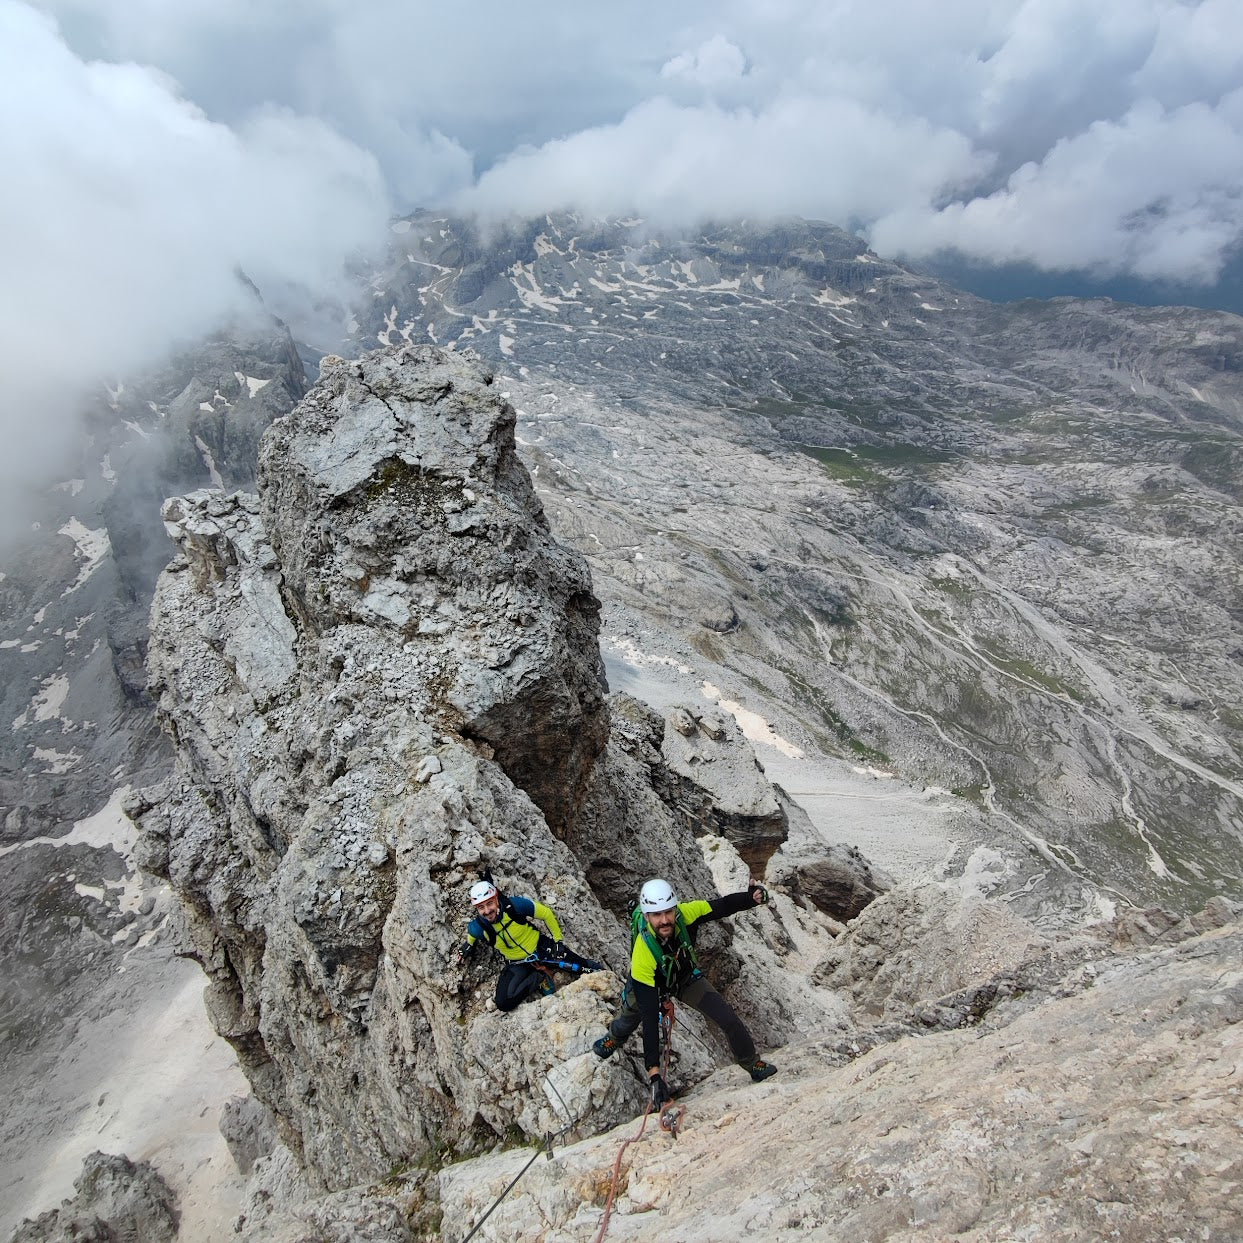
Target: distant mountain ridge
1013,569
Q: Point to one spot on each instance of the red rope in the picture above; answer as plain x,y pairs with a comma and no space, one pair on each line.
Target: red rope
666,1022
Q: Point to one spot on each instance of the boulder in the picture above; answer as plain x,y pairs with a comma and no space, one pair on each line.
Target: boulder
115,1200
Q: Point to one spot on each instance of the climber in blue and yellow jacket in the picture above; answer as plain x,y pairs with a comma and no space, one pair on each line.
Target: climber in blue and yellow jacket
504,923
663,964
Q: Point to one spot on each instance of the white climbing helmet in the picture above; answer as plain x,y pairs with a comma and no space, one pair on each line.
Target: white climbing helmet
481,891
656,896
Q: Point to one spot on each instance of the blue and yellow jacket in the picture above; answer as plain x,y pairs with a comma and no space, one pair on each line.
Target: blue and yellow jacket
512,935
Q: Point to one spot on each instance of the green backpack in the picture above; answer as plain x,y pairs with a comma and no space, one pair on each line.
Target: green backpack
666,964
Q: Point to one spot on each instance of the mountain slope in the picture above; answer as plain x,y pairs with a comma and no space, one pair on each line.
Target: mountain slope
990,548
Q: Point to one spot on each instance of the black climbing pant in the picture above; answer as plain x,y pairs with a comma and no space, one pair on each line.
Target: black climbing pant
519,980
701,996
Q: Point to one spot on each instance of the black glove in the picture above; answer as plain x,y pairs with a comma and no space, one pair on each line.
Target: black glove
660,1092
557,950
759,895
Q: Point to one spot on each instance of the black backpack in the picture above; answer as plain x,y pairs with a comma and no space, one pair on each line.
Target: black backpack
507,908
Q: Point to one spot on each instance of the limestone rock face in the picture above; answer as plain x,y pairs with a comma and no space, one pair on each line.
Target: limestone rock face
1110,1112
718,789
835,879
114,1199
381,677
922,942
399,477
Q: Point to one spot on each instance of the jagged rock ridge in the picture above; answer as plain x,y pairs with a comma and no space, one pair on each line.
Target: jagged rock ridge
382,675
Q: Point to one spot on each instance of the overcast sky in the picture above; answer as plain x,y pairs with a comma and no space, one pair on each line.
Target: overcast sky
149,146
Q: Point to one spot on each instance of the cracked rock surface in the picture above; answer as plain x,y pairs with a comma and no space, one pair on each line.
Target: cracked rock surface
382,676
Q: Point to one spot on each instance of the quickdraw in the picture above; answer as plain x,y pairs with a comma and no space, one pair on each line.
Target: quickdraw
671,1119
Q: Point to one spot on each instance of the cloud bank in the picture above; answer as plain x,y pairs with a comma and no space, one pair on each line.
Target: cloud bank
1102,137
126,213
153,146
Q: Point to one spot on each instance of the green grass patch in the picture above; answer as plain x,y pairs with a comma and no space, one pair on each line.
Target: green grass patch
955,588
843,466
870,464
972,793
1025,670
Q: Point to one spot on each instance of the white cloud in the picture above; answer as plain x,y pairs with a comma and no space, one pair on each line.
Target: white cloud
715,62
1157,194
897,115
824,157
127,210
153,145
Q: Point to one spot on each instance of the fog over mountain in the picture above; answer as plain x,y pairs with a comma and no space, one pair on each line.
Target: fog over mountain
568,441
154,148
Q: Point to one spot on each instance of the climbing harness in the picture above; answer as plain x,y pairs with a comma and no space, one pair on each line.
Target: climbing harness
666,965
674,1111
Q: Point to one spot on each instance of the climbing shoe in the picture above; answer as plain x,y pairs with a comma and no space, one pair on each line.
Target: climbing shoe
606,1046
547,986
758,1070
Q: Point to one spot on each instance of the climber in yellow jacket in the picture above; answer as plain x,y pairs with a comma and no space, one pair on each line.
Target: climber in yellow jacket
504,923
663,964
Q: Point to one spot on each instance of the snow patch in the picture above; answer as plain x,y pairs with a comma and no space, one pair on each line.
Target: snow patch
630,653
209,461
47,704
252,385
57,761
108,827
530,293
753,726
830,297
93,547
